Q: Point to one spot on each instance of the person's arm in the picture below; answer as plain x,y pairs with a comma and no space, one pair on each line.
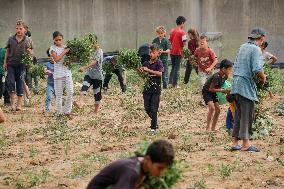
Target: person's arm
56,57
83,68
5,58
213,85
273,59
184,39
213,57
257,63
261,75
152,72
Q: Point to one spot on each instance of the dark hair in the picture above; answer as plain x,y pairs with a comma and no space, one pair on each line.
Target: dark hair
28,33
154,47
226,64
47,52
114,59
56,34
180,20
264,44
161,151
203,36
195,34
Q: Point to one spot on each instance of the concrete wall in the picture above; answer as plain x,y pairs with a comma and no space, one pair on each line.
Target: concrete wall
129,23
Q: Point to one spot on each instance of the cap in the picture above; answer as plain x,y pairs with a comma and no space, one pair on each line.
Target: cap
256,33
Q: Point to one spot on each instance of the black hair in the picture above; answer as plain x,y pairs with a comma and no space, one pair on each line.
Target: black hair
230,98
265,44
180,20
161,151
154,47
56,34
203,36
28,33
47,52
226,64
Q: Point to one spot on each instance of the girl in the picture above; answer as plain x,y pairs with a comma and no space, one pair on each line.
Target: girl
93,76
192,46
62,75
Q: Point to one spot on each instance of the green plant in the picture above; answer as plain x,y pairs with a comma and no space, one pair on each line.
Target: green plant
33,152
200,184
28,179
129,58
263,123
79,170
226,170
280,109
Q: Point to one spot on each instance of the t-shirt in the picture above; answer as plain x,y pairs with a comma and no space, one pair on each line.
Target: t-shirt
192,45
17,49
216,80
60,70
177,37
204,58
164,44
2,56
50,79
153,85
121,174
96,71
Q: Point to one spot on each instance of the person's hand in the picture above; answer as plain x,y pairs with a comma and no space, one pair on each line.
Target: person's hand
48,72
140,69
145,69
29,50
226,91
207,70
66,50
82,69
5,65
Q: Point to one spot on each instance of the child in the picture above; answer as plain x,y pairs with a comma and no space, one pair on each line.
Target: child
206,60
165,46
152,89
50,83
192,46
268,58
93,76
130,173
17,45
213,85
118,70
178,40
62,75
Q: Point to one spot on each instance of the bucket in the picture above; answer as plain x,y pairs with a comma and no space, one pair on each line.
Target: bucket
222,96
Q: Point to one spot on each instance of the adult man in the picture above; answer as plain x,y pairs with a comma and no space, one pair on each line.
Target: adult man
249,62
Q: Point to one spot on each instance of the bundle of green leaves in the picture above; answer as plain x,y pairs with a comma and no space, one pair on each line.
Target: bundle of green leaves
187,54
27,59
81,49
108,67
172,175
130,59
34,69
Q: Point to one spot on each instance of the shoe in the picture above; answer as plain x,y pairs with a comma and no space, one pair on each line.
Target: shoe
252,149
153,132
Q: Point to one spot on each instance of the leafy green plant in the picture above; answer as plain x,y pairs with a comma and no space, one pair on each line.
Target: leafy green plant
263,123
31,178
200,184
226,170
34,69
129,58
79,170
280,109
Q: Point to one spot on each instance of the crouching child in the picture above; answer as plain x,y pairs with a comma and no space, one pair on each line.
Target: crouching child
130,173
152,89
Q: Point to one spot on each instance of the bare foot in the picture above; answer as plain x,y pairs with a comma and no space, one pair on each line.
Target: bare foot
77,104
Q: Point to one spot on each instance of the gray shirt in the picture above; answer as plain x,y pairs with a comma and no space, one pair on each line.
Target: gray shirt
96,71
17,49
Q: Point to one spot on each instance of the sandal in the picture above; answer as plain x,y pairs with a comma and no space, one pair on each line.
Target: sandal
235,148
252,149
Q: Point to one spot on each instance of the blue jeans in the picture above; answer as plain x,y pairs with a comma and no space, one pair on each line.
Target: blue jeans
49,94
174,75
165,75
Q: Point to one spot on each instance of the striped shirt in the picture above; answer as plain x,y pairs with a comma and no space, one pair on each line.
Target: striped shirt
60,70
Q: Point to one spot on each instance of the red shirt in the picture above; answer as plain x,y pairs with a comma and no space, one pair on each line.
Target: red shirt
204,58
177,36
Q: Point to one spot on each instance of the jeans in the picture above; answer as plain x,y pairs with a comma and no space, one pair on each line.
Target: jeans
151,105
50,92
165,76
29,81
16,76
188,71
174,75
119,72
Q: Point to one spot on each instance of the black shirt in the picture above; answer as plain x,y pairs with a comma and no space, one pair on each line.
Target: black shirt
153,85
121,174
216,80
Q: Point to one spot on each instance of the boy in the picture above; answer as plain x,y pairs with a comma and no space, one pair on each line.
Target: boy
152,89
206,60
118,70
17,45
165,46
130,173
93,76
213,85
178,40
50,83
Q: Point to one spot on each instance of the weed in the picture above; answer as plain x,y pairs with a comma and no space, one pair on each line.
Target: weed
210,168
226,170
200,184
79,170
33,151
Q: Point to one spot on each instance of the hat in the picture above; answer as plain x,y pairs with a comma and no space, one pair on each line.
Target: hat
256,33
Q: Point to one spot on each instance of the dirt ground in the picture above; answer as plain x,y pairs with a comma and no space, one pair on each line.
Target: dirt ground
38,152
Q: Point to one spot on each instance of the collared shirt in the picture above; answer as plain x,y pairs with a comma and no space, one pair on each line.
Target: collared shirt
17,49
248,62
164,44
60,70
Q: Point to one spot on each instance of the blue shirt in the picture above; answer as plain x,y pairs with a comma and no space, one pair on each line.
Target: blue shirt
50,79
248,62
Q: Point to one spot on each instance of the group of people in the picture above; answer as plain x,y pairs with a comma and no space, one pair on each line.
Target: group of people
242,95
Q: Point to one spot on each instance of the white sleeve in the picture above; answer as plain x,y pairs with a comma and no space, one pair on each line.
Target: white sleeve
184,38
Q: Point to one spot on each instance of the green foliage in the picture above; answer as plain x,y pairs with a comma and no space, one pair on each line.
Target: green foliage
129,58
263,123
80,49
226,170
27,59
170,177
79,170
108,67
28,179
200,184
37,70
280,109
